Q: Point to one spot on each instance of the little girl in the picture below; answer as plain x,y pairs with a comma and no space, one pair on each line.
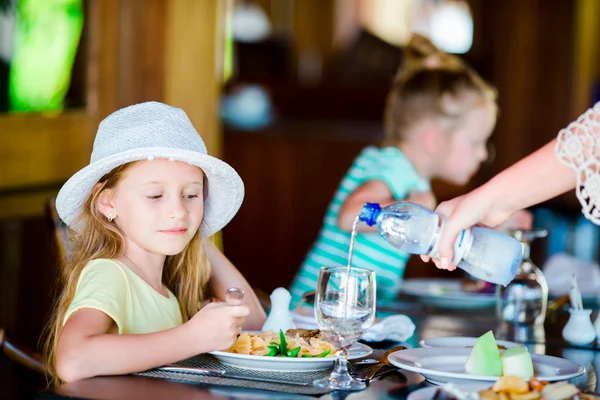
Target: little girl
438,118
142,263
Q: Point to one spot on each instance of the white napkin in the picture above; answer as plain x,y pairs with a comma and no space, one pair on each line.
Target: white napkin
398,328
559,269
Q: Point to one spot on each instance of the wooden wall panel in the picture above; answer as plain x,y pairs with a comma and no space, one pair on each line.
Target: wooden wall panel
524,48
102,31
192,80
141,51
312,36
586,53
37,150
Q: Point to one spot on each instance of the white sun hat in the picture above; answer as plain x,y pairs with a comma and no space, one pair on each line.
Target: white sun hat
144,132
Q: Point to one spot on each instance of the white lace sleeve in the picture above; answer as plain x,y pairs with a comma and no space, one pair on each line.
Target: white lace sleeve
578,146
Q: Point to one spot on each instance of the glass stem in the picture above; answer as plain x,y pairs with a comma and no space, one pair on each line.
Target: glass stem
340,366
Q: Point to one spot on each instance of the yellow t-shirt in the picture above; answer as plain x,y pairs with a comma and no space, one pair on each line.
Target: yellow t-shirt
111,287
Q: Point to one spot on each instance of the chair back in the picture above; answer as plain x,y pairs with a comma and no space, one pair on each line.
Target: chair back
21,354
60,230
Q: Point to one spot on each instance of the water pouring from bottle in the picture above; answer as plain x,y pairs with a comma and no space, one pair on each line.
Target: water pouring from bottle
483,253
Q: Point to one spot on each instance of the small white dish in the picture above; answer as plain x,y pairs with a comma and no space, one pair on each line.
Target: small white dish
579,329
286,364
462,341
428,392
445,293
447,364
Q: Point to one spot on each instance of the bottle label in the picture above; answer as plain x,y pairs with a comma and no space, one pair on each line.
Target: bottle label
462,244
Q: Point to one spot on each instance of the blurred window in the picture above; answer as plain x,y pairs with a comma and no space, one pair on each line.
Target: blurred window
448,23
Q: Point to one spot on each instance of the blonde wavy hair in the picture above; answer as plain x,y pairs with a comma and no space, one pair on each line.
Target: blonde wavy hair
185,274
431,84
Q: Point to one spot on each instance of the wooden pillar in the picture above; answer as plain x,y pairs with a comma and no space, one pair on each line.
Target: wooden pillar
193,59
586,53
313,30
532,73
193,65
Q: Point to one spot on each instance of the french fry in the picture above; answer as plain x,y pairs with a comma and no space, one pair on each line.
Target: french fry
511,384
559,391
533,395
515,388
488,395
503,396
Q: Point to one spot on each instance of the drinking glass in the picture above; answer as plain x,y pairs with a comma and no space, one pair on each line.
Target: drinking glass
525,299
344,310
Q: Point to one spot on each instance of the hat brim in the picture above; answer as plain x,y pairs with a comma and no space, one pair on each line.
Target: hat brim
223,199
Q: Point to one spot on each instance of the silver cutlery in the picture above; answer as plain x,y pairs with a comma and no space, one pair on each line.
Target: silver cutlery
226,374
234,296
367,361
373,371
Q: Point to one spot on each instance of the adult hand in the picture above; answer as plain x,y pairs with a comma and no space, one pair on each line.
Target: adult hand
461,213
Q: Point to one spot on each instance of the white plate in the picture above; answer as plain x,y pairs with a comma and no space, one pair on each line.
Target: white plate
447,364
461,341
286,364
445,293
428,392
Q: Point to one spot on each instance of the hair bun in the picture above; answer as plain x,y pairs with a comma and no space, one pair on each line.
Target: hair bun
419,47
421,53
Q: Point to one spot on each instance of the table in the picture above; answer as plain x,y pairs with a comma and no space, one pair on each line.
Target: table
430,322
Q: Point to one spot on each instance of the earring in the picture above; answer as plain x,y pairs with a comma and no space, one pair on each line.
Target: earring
110,217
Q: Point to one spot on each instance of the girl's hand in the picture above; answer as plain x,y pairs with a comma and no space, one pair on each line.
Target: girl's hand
225,275
217,326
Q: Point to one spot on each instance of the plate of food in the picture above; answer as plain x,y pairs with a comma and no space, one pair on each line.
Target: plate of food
507,387
448,365
463,341
296,350
485,361
447,293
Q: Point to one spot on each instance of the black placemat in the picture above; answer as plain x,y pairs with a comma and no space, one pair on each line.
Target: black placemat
208,361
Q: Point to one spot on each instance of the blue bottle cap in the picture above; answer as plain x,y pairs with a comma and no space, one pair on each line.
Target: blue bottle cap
369,213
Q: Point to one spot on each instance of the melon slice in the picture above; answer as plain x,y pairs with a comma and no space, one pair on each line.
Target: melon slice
517,361
485,357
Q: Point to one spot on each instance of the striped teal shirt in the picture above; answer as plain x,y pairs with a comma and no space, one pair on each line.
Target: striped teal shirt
371,251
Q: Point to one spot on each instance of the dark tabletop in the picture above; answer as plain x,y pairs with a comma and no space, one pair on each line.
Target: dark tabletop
430,322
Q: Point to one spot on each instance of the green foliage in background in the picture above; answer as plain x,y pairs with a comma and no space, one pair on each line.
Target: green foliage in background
46,38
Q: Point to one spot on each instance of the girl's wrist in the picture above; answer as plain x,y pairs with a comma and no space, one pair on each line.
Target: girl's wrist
192,338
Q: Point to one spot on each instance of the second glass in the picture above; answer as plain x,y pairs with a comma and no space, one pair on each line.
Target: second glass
525,299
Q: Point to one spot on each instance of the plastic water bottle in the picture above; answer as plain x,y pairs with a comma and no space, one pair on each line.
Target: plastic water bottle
483,253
